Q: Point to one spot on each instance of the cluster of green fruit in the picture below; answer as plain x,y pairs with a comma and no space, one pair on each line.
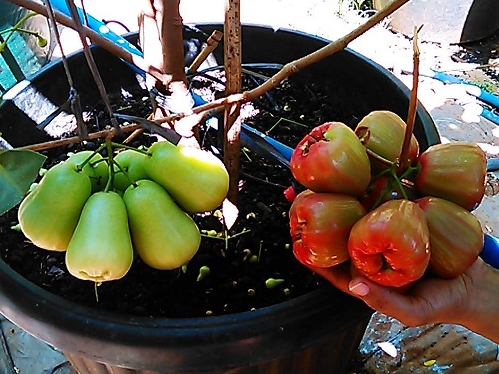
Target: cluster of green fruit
103,210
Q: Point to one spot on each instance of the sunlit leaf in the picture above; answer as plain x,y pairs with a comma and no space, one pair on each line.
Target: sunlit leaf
18,169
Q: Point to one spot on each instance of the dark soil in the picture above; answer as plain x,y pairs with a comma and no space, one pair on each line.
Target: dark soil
235,283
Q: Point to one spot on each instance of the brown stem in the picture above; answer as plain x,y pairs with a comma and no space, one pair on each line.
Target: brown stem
91,64
305,61
411,116
75,139
211,44
75,102
162,42
379,158
208,108
285,72
172,42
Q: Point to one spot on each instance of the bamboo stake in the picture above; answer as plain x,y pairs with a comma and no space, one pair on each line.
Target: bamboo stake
233,85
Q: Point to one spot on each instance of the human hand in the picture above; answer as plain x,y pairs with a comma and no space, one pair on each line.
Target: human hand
430,300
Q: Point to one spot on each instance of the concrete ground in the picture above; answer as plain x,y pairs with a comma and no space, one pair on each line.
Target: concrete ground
387,346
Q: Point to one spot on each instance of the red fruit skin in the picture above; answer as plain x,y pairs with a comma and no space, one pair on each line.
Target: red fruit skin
383,132
290,194
320,224
354,272
456,236
453,171
331,159
391,244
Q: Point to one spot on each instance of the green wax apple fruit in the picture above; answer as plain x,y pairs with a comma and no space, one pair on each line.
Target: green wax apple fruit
196,179
456,236
97,169
48,216
132,162
164,236
101,247
383,132
453,171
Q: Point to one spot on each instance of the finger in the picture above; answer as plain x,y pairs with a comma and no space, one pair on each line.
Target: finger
339,275
389,301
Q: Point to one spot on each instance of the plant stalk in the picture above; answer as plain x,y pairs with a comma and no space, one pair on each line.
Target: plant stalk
413,103
91,63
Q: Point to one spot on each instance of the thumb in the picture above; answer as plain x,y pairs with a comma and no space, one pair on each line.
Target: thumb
385,300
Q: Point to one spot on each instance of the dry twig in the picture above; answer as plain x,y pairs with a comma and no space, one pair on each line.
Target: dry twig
413,103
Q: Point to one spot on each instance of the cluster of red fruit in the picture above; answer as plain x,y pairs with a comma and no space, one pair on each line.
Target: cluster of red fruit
393,224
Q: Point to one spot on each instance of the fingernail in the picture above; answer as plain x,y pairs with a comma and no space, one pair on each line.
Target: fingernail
358,288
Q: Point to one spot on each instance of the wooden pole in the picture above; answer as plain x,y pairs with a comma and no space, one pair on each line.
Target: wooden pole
232,124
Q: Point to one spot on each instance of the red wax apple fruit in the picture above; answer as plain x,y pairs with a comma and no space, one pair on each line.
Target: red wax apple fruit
331,159
320,224
390,245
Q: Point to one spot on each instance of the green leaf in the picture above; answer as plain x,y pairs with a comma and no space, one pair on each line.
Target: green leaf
18,169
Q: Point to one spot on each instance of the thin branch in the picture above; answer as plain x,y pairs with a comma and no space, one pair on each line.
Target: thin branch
75,139
211,45
91,64
333,47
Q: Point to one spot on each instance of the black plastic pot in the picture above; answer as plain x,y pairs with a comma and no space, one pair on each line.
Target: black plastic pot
316,333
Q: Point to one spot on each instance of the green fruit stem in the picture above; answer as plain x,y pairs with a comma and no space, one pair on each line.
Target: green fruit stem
110,156
124,146
89,158
396,180
132,182
375,156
